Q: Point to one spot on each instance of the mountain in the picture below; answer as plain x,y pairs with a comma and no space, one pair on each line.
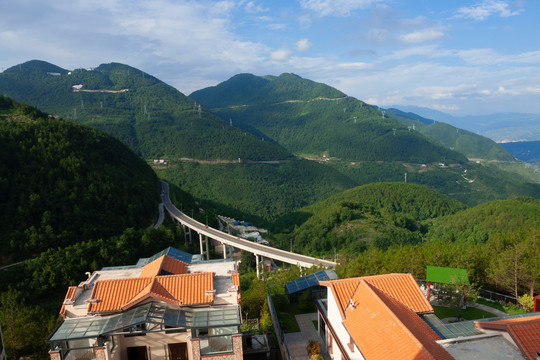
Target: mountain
377,214
61,182
479,224
282,142
314,120
498,127
152,118
528,151
473,146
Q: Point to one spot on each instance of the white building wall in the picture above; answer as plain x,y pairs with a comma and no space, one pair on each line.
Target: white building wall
156,343
335,319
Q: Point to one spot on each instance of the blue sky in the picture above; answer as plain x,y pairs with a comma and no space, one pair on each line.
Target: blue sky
460,57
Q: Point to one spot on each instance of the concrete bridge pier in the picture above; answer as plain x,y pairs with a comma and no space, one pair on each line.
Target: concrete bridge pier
257,265
224,250
205,249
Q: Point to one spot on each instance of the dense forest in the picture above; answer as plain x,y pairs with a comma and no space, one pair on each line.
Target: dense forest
378,215
397,227
72,199
61,181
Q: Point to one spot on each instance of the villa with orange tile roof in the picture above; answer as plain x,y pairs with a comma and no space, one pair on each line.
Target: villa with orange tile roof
377,317
164,307
388,317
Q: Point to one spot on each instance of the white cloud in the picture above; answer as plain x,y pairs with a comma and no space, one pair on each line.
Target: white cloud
280,55
336,7
421,36
303,44
485,9
252,8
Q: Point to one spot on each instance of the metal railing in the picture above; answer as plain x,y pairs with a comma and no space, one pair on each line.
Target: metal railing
495,296
279,332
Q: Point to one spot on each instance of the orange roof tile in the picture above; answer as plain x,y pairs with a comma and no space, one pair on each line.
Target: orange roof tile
111,295
343,291
68,299
164,264
190,289
404,289
236,279
401,287
527,337
384,328
502,323
182,289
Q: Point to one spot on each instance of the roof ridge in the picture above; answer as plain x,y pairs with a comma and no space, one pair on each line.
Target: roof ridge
161,286
185,275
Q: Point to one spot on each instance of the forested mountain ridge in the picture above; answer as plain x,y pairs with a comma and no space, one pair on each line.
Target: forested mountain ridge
471,145
248,89
61,182
377,214
154,119
237,167
309,118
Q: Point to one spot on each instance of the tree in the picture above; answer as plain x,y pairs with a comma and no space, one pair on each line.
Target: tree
24,328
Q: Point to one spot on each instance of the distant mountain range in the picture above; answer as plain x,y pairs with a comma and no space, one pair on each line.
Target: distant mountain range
263,146
500,127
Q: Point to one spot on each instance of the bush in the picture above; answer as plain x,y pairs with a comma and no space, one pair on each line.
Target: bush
314,350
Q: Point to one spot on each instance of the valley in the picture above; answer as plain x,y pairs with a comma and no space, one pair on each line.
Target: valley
329,175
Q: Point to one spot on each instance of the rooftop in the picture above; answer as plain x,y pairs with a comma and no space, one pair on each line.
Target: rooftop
375,320
168,276
401,287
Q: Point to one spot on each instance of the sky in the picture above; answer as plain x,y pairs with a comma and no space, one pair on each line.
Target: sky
460,57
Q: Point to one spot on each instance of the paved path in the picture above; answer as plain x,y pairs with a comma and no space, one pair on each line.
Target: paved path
489,309
297,342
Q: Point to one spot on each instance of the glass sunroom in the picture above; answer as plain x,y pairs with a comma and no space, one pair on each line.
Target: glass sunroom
78,338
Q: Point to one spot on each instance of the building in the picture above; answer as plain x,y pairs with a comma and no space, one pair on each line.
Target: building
388,317
377,317
169,306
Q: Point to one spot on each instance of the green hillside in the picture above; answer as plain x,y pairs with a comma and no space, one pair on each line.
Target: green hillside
378,214
312,119
471,145
256,191
151,117
61,182
482,222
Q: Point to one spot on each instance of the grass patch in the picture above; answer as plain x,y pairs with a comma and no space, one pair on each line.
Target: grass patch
315,324
496,305
470,313
286,313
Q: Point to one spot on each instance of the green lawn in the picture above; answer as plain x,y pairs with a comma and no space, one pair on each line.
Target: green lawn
498,306
286,313
470,313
